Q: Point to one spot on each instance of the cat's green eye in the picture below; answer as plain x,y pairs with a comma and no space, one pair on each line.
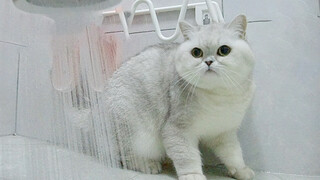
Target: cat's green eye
223,50
196,52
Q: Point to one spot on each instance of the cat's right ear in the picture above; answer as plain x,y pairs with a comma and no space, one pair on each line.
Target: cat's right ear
187,29
239,25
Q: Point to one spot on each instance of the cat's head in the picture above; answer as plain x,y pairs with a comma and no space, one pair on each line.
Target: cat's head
216,55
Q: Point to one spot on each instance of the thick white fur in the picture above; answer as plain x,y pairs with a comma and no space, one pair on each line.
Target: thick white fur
157,115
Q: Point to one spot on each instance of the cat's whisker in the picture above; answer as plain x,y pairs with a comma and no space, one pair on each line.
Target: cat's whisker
223,72
229,76
186,80
235,83
194,72
225,81
229,80
229,70
187,74
193,86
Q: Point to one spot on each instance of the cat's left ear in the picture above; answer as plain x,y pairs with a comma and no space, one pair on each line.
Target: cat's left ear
239,25
187,29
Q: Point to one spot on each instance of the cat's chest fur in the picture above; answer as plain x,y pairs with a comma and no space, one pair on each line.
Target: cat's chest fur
215,114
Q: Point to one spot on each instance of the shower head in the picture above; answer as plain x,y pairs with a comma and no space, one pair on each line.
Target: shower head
70,3
69,15
47,6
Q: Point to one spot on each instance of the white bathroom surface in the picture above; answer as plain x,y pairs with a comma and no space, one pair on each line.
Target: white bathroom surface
24,158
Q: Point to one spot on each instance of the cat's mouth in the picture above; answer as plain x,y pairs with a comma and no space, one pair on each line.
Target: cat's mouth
210,70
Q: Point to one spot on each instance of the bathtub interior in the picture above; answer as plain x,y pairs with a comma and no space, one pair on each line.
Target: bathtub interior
53,74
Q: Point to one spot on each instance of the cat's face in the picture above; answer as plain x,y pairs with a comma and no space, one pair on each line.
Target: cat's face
215,56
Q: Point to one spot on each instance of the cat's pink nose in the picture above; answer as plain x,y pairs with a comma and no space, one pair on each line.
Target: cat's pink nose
208,62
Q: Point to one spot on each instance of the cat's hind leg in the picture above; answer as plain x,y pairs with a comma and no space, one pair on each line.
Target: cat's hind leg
147,152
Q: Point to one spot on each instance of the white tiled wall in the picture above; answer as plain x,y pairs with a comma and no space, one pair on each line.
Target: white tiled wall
35,105
9,58
12,40
271,9
281,131
24,37
319,9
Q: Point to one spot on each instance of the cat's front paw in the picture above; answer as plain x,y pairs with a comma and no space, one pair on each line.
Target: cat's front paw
242,174
192,177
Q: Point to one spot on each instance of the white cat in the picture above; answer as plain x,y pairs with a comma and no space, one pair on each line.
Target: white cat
168,98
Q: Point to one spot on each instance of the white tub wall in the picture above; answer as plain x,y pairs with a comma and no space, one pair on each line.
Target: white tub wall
282,129
35,105
35,97
16,25
271,9
281,132
318,8
29,36
11,42
9,58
